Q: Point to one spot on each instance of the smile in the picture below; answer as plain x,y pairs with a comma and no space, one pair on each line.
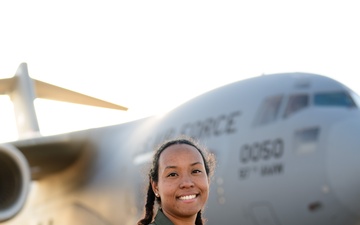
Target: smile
187,197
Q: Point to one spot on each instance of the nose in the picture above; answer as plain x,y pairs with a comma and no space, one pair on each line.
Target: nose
186,182
343,163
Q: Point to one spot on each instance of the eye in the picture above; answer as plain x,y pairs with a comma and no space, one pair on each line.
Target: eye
172,175
197,171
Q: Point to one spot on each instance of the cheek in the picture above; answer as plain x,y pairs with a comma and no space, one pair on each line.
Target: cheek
204,184
167,187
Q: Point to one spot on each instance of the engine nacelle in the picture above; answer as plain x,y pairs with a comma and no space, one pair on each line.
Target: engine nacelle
15,181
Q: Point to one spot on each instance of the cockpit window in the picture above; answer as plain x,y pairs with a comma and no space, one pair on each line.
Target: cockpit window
269,110
296,103
342,99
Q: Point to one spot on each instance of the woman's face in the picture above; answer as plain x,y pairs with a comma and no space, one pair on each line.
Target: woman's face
183,184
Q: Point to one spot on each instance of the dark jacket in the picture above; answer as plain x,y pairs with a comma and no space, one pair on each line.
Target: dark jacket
161,219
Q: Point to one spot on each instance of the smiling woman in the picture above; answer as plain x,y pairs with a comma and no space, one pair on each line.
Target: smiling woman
179,182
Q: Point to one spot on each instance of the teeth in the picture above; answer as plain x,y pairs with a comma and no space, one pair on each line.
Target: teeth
187,197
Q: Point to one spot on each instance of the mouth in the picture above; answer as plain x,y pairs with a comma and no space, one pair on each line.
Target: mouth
188,197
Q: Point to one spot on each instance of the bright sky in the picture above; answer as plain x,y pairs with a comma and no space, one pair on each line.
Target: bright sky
151,56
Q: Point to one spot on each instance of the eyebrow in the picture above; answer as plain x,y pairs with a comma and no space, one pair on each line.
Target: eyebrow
192,164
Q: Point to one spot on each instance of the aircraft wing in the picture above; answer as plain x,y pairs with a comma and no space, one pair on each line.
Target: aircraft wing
46,155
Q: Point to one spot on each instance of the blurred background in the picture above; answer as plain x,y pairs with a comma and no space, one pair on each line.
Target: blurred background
151,56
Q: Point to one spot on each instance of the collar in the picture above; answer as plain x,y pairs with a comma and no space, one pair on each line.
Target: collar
161,219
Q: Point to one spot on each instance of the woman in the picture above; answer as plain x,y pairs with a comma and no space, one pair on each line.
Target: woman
179,182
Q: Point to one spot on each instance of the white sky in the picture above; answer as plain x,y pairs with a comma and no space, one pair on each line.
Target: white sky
153,55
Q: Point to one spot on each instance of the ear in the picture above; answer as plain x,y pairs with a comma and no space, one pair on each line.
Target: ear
155,187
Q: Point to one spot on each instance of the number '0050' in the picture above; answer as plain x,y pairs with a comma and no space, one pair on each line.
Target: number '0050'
262,150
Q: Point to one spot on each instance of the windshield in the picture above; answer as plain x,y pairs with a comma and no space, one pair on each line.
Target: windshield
341,99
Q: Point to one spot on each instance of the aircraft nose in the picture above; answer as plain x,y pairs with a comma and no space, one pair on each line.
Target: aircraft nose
344,163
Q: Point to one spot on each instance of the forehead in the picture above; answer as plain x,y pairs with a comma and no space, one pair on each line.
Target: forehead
179,153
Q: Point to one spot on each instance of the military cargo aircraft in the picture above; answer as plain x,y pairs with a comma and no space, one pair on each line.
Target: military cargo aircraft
287,148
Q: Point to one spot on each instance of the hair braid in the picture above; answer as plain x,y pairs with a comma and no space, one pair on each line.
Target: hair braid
149,207
199,220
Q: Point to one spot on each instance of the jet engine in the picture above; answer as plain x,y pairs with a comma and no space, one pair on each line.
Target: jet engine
14,181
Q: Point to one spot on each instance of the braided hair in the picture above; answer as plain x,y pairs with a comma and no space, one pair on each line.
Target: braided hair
209,163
